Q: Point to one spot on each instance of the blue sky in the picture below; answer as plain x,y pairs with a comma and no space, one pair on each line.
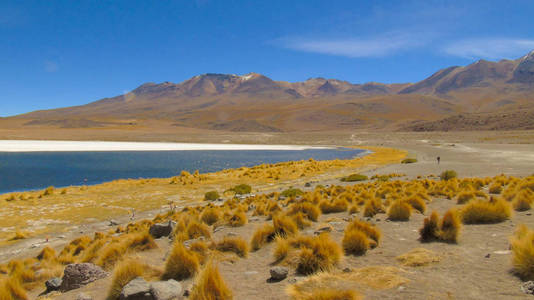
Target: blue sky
64,53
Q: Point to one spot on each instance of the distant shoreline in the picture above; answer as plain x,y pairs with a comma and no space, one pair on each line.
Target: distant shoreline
79,146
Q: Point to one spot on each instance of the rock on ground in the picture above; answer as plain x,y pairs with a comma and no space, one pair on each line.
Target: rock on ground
166,290
53,284
162,229
78,275
137,289
279,273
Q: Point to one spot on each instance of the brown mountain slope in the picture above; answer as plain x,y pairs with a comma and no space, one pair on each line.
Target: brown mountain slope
489,91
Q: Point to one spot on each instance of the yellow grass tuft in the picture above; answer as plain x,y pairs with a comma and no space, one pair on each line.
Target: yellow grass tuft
238,219
281,249
322,255
262,236
11,289
372,207
209,285
284,225
399,211
370,230
196,229
331,294
522,201
522,244
124,272
333,206
486,212
210,216
417,204
47,254
430,229
307,208
450,227
233,244
181,263
355,242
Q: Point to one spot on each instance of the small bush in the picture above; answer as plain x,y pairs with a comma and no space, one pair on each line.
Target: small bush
495,188
372,207
209,285
211,196
370,230
408,161
307,208
322,255
485,212
284,225
522,244
399,211
124,272
238,219
281,249
241,189
301,221
430,229
448,175
522,201
417,203
210,216
262,236
334,206
465,197
450,227
233,244
47,254
11,289
291,192
354,177
181,263
195,230
355,242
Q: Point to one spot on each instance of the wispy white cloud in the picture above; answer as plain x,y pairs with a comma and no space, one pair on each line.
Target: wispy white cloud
378,46
490,48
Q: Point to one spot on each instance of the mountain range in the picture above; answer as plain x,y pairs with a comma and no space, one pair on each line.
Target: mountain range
484,95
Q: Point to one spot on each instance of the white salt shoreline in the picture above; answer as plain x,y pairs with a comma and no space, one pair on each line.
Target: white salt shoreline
76,146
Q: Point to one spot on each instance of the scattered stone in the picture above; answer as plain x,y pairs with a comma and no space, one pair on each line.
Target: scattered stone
307,184
162,229
218,229
323,230
78,275
53,284
166,290
529,214
377,220
281,198
137,289
401,288
251,273
84,296
502,252
231,234
113,223
347,270
528,287
254,219
279,273
487,255
61,236
292,280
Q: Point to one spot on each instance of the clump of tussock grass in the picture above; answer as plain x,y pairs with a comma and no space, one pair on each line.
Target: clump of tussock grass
522,244
522,201
123,273
19,236
47,254
333,206
238,219
321,255
262,236
399,211
196,229
236,245
301,220
372,207
281,249
201,248
417,204
311,211
447,230
11,289
210,216
209,285
181,263
354,177
485,212
284,225
495,188
355,242
448,175
330,294
211,196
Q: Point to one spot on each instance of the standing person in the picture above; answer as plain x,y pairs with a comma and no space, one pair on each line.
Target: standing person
439,158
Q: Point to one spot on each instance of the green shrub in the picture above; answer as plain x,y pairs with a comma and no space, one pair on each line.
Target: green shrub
241,189
211,196
409,161
291,192
449,174
354,177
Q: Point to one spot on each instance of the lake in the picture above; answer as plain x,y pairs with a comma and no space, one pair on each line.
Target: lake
20,171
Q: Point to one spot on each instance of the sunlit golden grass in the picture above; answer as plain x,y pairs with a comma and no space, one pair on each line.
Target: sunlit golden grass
522,200
399,211
121,197
262,236
233,244
322,255
333,206
124,272
210,216
522,244
239,218
331,294
418,257
181,263
11,289
370,230
372,207
209,285
484,212
307,208
447,230
355,242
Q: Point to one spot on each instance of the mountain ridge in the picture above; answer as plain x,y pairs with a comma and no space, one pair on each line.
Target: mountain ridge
254,102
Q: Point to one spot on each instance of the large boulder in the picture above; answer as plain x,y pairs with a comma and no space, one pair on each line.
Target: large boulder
78,275
162,229
166,290
137,289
